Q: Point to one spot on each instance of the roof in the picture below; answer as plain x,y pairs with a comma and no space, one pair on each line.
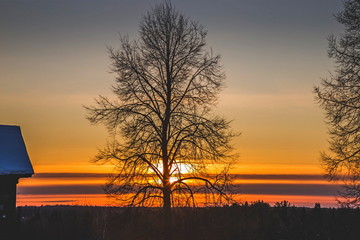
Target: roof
14,159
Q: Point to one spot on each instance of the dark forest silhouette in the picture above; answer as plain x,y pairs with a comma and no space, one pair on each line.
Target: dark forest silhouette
255,220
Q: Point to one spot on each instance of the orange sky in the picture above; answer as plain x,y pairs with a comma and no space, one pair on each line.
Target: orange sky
86,189
54,60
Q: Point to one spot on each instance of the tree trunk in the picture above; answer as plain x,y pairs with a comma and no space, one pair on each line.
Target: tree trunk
167,211
167,194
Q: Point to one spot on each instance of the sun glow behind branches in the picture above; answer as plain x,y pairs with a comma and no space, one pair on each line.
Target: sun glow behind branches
175,172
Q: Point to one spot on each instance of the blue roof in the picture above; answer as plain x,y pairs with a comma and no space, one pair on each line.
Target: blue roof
14,159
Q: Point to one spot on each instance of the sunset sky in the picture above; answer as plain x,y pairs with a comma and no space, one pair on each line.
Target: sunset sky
53,60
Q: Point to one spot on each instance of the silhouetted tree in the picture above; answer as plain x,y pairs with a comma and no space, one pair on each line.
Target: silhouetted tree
165,137
282,204
339,96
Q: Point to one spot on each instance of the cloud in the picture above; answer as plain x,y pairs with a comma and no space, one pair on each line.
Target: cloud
61,189
288,189
305,186
70,175
278,176
236,176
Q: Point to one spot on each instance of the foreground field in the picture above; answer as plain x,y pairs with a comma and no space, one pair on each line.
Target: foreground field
257,221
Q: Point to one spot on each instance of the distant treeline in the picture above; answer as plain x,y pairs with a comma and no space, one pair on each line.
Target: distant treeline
255,221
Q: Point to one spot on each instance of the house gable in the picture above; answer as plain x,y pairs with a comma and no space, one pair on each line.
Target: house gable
14,159
14,164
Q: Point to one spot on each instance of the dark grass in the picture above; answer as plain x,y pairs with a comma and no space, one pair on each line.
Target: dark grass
257,221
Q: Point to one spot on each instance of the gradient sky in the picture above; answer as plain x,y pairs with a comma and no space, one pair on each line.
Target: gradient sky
53,60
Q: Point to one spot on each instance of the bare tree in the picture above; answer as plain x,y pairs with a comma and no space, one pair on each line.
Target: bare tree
339,96
165,137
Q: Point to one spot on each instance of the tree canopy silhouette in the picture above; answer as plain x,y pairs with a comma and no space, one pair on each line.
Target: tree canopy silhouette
339,96
165,136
